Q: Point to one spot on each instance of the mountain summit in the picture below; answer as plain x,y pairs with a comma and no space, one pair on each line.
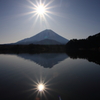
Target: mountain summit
46,37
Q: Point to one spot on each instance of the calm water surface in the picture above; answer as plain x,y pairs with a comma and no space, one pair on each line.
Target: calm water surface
65,78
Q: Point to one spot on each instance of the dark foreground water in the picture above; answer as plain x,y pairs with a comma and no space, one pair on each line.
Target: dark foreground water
65,78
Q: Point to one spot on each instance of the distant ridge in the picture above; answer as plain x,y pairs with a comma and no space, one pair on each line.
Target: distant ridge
46,37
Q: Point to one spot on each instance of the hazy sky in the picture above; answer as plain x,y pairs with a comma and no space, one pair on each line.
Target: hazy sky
69,18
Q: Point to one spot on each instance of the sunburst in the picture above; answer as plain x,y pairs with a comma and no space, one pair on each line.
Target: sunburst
41,10
41,87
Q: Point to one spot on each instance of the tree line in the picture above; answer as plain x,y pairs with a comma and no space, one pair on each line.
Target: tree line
90,43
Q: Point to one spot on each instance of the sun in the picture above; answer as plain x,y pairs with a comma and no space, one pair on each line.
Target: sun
40,9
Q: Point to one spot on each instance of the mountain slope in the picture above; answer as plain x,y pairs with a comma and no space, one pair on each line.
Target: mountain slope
44,35
47,42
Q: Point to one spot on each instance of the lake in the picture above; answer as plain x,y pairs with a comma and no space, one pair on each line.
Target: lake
64,78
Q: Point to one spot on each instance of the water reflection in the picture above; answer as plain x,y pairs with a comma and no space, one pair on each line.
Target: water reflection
70,79
47,60
91,56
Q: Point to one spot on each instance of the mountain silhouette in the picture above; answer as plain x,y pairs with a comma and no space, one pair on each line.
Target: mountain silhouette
47,60
47,37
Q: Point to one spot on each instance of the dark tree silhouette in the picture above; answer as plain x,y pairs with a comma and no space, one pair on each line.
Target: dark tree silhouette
90,43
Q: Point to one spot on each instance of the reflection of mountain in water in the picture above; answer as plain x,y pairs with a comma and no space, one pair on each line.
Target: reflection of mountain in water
46,60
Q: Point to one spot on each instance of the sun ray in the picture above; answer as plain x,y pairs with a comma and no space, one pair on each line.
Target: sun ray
31,3
50,7
41,9
49,3
36,19
44,19
32,17
31,12
51,18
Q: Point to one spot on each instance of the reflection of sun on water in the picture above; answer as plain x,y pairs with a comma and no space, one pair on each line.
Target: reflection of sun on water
41,87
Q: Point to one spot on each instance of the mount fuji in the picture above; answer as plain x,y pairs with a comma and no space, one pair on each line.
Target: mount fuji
46,37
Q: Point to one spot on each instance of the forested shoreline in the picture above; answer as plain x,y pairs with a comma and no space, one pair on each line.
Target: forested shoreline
31,48
92,43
